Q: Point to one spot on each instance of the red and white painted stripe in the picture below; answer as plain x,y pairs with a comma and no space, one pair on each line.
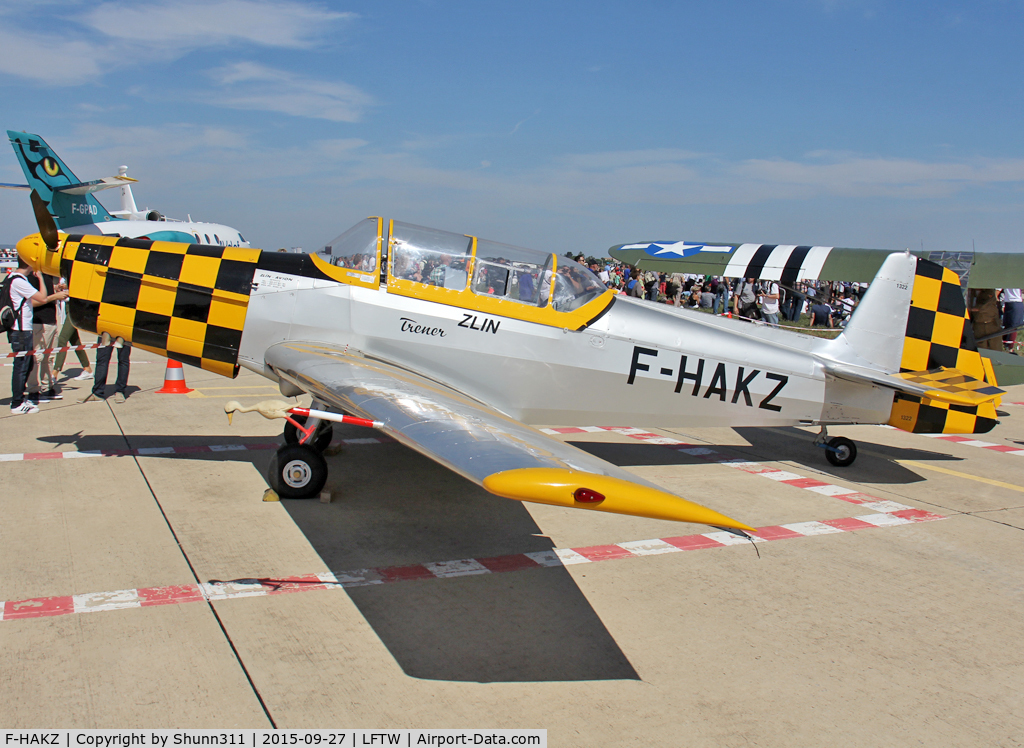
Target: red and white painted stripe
95,602
153,451
967,441
34,351
755,468
134,362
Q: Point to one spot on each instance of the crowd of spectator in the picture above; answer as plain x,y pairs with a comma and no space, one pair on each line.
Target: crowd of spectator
821,303
811,303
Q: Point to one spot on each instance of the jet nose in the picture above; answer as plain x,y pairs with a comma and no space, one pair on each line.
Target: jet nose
32,249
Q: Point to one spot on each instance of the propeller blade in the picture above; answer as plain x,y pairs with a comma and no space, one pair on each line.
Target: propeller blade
47,227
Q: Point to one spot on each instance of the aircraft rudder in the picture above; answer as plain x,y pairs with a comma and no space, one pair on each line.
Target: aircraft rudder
875,333
939,334
46,173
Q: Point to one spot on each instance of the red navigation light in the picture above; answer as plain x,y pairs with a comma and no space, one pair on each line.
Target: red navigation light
587,496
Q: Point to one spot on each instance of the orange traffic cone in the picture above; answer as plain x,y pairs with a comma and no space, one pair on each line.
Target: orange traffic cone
174,379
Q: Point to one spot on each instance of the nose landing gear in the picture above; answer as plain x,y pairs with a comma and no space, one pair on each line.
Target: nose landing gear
839,450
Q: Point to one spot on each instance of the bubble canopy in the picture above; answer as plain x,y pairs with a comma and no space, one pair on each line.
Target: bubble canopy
421,257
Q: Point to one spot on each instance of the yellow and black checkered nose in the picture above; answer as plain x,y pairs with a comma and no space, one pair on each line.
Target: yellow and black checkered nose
184,301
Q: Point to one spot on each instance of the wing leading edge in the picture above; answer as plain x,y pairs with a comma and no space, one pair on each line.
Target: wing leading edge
494,451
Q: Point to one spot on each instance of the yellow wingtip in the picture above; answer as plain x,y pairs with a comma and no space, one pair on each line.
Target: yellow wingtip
559,486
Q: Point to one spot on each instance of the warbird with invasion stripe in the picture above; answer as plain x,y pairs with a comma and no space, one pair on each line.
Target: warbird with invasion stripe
790,264
451,344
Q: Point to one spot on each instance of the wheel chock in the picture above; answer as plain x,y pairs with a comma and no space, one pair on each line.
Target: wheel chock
271,495
325,497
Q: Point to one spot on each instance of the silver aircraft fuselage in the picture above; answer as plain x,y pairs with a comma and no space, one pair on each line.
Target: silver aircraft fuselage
639,364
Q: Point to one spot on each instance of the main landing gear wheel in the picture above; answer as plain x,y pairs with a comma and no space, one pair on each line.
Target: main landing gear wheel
297,472
321,438
842,452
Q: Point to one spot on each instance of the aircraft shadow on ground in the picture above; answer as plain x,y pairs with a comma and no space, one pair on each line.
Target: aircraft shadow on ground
766,446
401,509
393,507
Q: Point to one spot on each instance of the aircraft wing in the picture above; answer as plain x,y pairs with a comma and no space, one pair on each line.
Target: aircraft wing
790,263
483,445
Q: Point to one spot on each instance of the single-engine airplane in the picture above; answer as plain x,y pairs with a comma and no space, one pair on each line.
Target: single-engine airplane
72,205
450,344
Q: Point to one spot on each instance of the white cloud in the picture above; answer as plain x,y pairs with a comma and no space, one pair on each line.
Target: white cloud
249,85
100,147
229,175
854,176
573,183
38,58
121,34
620,159
191,23
671,177
341,149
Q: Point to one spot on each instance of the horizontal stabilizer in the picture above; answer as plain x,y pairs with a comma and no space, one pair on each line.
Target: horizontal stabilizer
953,386
87,188
8,186
942,384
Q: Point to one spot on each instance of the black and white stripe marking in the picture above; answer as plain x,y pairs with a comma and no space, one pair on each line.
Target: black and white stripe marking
787,263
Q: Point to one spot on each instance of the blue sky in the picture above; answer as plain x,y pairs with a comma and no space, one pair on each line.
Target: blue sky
561,126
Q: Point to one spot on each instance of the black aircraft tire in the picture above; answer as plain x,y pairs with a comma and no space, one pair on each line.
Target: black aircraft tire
297,472
321,439
846,454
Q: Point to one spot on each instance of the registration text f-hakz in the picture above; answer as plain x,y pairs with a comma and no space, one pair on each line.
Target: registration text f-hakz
714,378
411,325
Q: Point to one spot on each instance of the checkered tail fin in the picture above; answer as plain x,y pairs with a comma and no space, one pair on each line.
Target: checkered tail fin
939,352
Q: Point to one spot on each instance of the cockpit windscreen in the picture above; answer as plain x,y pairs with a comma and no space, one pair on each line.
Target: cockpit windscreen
356,249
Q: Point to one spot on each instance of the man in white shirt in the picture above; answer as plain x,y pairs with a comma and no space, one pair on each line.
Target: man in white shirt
24,298
770,303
